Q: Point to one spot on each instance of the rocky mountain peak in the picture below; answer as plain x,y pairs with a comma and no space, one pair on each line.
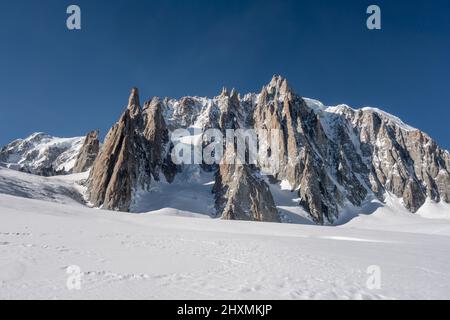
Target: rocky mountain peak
123,165
331,157
278,86
133,101
88,152
41,154
133,154
224,93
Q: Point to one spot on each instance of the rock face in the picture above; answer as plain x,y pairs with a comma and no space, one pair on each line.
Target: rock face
244,196
338,155
241,194
123,163
41,154
130,157
88,152
330,156
157,134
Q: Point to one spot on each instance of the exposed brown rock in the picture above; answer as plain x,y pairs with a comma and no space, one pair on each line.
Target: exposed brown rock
407,162
303,137
241,194
88,152
134,98
123,165
157,134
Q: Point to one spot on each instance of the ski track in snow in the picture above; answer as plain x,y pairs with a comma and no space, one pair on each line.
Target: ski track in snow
162,255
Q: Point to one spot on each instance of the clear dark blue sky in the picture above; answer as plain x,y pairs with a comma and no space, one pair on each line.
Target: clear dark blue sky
66,83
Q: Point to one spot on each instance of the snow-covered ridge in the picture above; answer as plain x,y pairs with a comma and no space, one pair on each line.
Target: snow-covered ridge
320,108
41,154
198,112
396,120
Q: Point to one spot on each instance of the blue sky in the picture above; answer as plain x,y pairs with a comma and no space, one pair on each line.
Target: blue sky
66,82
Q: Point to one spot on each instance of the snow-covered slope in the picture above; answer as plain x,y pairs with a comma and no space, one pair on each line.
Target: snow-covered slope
189,195
60,189
177,251
160,256
373,213
41,154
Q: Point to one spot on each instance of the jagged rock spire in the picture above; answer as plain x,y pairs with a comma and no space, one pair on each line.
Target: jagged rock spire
157,134
134,98
234,94
123,164
278,85
240,194
224,92
88,152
